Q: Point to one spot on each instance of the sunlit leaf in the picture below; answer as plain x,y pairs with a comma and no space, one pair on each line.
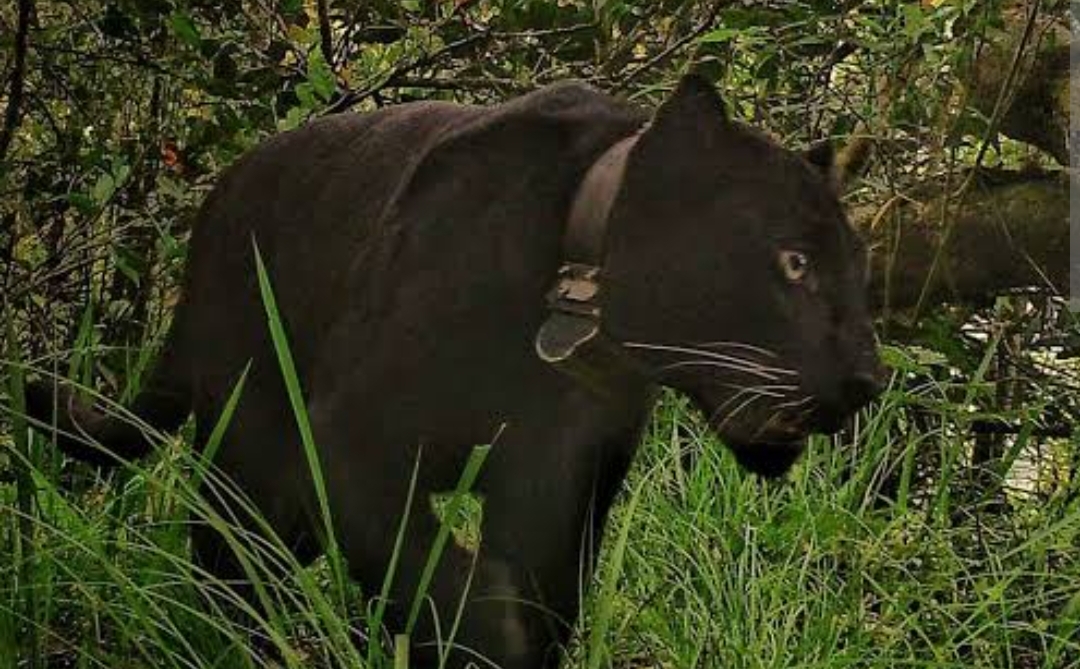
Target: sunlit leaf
320,76
720,35
103,188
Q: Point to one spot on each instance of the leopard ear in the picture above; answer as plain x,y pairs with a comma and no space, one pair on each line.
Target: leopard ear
694,111
852,161
844,168
821,155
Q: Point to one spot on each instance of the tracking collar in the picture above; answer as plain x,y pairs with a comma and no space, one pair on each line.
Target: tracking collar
572,338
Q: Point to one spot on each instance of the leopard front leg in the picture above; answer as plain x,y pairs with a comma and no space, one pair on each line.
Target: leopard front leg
549,486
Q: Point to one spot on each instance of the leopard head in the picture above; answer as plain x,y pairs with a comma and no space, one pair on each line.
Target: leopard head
732,275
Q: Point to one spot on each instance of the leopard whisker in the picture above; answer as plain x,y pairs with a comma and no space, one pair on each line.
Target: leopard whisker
799,417
741,345
746,368
765,425
711,355
756,391
732,414
776,419
796,404
771,390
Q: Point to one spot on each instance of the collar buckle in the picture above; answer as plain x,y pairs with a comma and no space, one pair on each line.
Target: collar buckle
571,338
576,290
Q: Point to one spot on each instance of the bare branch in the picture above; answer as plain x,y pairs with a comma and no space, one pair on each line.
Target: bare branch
393,76
662,57
1011,230
325,36
13,113
493,84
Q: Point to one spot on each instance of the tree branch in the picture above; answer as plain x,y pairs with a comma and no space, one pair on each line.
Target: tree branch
661,57
492,84
391,78
325,36
1036,110
1011,230
13,113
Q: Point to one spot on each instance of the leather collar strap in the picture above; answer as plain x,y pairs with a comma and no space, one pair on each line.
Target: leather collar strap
578,284
586,228
571,338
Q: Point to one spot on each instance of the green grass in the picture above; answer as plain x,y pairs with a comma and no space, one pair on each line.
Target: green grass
724,570
871,553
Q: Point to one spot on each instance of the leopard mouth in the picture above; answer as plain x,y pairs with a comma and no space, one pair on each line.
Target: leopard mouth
764,442
768,459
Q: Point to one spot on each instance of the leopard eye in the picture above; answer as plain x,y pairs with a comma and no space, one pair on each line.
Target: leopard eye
795,265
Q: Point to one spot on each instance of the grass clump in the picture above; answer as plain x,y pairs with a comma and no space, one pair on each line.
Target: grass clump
869,554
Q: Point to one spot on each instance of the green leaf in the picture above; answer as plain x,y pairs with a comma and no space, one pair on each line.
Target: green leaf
120,171
719,36
83,202
305,94
171,188
915,22
749,17
911,358
184,28
293,118
128,263
320,76
103,189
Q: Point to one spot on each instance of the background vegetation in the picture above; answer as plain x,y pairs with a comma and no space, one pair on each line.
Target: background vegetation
942,529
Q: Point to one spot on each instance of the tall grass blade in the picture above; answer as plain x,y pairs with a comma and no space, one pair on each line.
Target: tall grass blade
605,598
213,442
24,498
953,448
296,399
374,656
464,485
401,651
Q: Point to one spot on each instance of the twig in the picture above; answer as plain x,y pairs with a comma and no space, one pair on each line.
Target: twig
18,77
842,50
87,57
390,78
1006,92
615,59
349,30
325,37
697,32
545,32
401,75
464,83
1000,107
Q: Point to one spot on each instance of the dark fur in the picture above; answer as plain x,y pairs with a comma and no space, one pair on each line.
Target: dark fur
410,251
